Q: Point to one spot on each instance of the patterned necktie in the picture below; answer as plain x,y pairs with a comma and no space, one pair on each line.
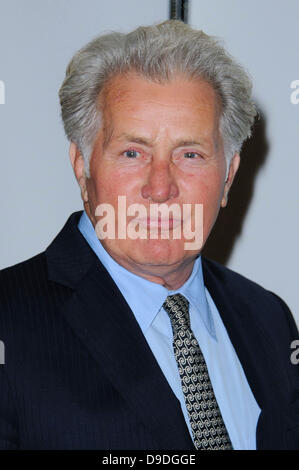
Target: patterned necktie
207,424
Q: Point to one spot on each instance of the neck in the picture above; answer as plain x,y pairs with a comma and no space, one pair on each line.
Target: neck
171,277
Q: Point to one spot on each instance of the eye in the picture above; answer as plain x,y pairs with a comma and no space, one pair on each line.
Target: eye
131,153
191,155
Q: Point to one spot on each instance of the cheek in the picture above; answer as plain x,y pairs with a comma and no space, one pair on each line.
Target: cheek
206,188
211,205
112,183
212,194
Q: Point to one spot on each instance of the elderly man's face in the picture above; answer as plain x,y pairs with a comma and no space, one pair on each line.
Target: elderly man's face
159,143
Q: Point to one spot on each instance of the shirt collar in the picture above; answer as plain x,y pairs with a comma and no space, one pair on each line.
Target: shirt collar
146,306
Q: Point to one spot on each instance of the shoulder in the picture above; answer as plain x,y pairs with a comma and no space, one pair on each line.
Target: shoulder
23,287
26,293
225,275
22,300
265,306
25,275
234,281
32,276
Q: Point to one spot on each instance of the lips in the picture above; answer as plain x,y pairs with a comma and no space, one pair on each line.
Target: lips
163,224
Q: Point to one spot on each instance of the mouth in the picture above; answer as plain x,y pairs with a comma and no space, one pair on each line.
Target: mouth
158,223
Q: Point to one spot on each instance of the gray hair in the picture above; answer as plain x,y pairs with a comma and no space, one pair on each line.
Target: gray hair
157,52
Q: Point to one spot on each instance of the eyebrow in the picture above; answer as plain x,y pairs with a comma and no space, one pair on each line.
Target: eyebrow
135,139
144,141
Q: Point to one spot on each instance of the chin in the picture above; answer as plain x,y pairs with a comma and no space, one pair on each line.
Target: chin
158,252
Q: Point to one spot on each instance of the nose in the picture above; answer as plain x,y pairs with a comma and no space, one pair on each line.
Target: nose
160,185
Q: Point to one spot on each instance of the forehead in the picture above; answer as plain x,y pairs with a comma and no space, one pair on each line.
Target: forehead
143,102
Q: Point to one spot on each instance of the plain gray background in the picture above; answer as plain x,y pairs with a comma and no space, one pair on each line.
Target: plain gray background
257,235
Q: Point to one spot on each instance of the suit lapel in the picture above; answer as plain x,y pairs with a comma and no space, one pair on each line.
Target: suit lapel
99,315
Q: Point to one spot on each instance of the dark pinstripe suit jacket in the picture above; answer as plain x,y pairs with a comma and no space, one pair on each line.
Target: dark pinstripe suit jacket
78,373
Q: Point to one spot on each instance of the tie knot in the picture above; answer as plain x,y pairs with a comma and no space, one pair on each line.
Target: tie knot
177,307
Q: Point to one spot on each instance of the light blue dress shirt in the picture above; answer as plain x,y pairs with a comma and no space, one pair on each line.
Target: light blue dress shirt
238,406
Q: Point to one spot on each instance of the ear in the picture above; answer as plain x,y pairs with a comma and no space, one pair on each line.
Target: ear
233,168
77,162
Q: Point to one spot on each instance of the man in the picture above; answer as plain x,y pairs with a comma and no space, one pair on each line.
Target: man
121,335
